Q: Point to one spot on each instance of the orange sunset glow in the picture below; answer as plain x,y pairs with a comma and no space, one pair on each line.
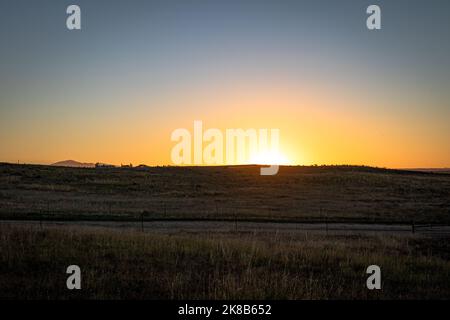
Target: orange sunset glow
118,102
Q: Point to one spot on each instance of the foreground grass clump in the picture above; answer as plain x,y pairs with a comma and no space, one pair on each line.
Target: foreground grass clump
132,265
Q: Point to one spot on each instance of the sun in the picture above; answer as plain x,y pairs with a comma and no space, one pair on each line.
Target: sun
269,158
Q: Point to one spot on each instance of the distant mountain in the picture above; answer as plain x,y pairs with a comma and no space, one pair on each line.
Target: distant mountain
74,164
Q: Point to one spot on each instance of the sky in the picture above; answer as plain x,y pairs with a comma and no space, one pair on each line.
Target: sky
114,91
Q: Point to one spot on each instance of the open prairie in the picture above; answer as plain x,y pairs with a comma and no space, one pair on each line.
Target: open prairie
298,194
223,232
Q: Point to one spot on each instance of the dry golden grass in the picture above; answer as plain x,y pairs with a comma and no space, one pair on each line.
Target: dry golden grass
296,193
134,265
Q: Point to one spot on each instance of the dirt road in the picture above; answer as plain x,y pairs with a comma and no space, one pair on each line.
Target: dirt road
178,226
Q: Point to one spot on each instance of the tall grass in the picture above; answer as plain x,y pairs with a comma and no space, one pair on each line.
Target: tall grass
133,265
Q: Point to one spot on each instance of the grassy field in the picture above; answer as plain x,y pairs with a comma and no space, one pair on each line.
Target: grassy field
236,264
134,265
330,193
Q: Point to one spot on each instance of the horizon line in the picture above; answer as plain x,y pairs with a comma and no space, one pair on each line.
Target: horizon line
221,165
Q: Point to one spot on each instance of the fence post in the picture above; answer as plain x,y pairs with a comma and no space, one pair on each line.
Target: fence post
142,221
326,219
413,228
